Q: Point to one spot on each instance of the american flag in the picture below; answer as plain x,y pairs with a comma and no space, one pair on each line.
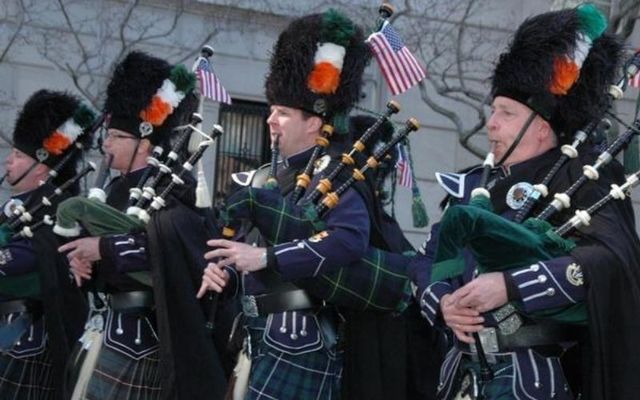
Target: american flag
210,86
635,81
399,67
404,168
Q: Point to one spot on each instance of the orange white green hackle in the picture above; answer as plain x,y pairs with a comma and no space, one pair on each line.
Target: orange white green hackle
69,131
169,95
337,31
566,68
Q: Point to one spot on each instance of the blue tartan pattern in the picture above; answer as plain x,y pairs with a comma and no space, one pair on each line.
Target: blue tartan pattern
27,378
277,375
376,282
117,376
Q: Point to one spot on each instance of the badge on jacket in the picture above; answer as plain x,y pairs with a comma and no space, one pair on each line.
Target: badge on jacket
518,194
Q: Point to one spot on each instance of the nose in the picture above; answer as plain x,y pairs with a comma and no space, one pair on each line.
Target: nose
9,159
271,120
492,123
106,143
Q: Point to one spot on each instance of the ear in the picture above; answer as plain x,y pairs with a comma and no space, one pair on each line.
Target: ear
544,131
144,147
41,170
314,125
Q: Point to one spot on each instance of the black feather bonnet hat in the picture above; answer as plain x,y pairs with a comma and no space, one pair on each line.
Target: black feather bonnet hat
560,64
50,125
148,97
317,66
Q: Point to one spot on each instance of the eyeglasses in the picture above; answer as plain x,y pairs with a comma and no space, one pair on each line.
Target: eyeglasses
119,136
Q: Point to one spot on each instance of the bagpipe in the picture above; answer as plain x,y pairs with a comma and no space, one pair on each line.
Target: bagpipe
98,218
499,244
376,282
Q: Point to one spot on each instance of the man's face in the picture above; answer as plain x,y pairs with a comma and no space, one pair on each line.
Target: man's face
16,165
507,119
296,132
122,146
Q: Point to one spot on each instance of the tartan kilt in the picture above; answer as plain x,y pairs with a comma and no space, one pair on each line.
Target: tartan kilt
277,375
117,376
27,378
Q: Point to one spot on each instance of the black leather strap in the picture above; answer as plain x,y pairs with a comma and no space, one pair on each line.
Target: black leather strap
539,335
19,306
527,336
123,301
266,304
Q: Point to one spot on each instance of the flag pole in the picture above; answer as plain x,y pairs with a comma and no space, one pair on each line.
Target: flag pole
203,196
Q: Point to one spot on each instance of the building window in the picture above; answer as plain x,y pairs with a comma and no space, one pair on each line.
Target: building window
244,145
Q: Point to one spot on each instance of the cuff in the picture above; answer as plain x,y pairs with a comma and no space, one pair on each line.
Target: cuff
430,300
549,284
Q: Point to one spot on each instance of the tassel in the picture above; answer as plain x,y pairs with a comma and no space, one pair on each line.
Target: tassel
203,197
418,210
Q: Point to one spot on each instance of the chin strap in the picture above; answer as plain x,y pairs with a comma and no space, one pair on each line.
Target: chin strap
518,138
24,174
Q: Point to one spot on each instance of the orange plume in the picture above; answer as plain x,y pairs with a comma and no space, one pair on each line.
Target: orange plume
324,78
565,74
156,112
56,143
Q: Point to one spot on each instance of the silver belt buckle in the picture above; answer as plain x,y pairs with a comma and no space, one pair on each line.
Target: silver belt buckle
249,306
488,340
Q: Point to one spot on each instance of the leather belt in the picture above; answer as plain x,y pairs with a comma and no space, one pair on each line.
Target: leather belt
527,336
123,301
265,304
20,306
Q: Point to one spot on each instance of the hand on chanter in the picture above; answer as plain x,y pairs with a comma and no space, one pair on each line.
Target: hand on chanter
245,257
86,249
484,293
462,320
81,269
213,278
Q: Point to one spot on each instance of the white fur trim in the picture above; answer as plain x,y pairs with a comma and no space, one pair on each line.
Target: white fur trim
332,53
67,232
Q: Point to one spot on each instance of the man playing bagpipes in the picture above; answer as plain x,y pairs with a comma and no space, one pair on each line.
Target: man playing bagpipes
556,326
41,311
293,343
151,342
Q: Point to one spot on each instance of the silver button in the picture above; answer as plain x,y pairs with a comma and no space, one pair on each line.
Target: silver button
542,278
551,292
534,267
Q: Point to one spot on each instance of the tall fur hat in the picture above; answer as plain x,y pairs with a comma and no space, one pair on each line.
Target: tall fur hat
148,97
317,65
49,125
560,64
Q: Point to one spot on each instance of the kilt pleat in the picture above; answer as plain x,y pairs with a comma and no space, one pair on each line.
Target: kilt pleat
27,378
277,375
117,376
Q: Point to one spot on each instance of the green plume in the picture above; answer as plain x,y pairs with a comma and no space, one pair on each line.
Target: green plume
184,79
592,22
84,116
336,28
